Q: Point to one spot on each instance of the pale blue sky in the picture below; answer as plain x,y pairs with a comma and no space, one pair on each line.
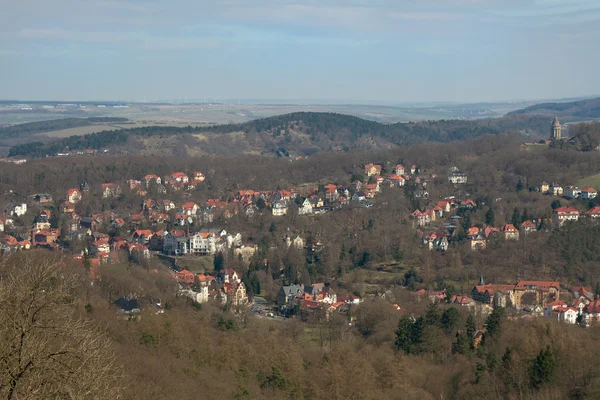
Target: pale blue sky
387,51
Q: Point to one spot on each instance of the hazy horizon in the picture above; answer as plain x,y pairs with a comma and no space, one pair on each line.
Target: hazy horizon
359,52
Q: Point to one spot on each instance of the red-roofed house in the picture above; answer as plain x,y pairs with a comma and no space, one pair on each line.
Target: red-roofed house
564,214
399,169
74,195
372,169
185,277
179,177
199,176
510,232
593,213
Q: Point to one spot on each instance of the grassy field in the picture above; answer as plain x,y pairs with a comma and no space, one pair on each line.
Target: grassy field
593,181
80,130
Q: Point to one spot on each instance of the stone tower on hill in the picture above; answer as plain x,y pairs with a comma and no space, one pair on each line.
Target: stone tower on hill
556,129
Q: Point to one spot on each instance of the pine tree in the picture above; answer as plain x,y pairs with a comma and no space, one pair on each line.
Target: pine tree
471,329
403,338
219,261
494,322
449,320
516,217
432,315
543,368
461,346
519,185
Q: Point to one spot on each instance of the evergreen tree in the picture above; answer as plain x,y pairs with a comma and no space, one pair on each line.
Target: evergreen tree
519,185
471,329
449,320
525,215
494,322
543,368
555,204
403,335
516,217
490,218
416,331
398,254
432,315
461,346
597,291
219,261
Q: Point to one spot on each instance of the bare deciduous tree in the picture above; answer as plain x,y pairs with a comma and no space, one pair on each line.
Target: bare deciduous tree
46,349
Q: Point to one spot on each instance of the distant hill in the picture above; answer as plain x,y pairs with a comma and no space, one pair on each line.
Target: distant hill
289,135
576,110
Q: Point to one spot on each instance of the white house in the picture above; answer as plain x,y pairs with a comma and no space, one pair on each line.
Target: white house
16,209
568,315
280,208
457,177
305,208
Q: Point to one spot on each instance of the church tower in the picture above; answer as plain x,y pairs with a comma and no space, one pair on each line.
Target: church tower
556,129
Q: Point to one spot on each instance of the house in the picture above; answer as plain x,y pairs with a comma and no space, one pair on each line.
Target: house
528,226
306,207
535,293
543,188
176,244
591,313
349,298
67,207
593,213
139,251
151,178
477,241
179,177
413,169
168,205
555,190
235,293
245,252
510,232
74,196
456,177
572,192
189,208
498,295
437,241
287,297
468,204
16,209
396,180
279,208
141,236
110,190
43,198
421,218
568,315
399,169
185,277
464,301
588,193
228,275
564,214
1,225
372,169
295,241
199,177
583,294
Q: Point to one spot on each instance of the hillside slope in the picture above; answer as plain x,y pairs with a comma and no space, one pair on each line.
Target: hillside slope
302,133
582,109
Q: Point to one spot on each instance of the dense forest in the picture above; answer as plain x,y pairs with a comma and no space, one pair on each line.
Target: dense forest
302,133
589,108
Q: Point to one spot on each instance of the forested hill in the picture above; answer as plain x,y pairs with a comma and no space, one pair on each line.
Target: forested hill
589,108
302,133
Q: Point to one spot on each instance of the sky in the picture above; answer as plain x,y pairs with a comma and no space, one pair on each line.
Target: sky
386,51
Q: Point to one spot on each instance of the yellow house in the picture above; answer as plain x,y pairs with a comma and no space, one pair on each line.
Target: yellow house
372,169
